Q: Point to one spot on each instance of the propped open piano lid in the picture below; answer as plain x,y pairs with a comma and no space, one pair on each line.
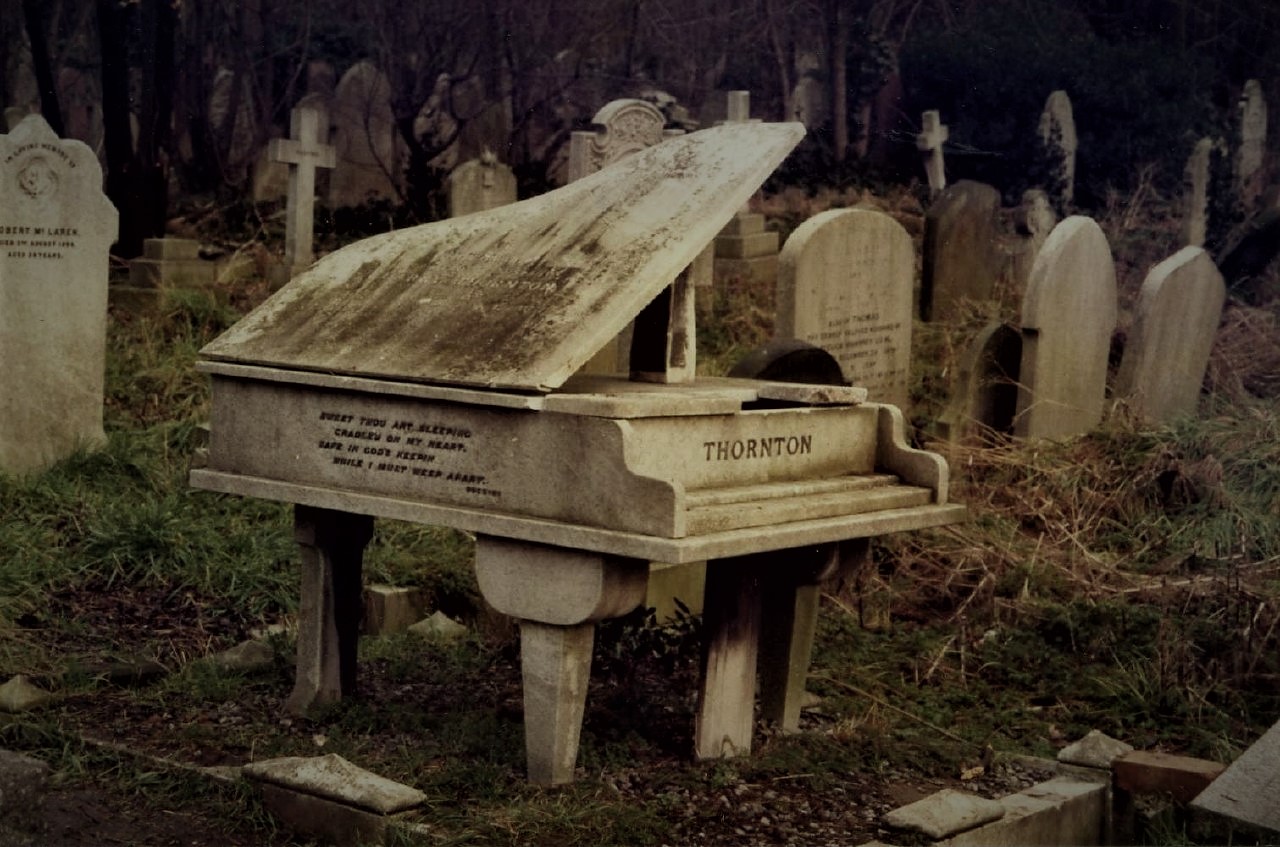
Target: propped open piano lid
522,296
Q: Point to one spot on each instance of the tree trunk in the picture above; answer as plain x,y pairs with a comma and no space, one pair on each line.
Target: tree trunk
837,47
34,18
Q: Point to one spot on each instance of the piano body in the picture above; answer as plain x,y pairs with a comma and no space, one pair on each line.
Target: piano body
434,375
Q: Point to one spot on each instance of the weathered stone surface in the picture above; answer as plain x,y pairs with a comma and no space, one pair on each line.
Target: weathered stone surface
985,397
945,813
563,274
1095,750
1056,813
1248,789
334,778
555,666
56,226
168,263
845,285
933,135
326,820
1175,322
19,694
1058,135
389,609
1195,213
304,152
22,787
368,151
247,656
623,127
479,185
1068,318
961,256
1252,141
439,627
1150,772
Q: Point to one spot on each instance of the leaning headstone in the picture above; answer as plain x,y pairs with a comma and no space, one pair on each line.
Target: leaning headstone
985,397
304,152
1175,321
1059,143
1195,213
961,256
933,135
56,228
1068,317
1253,142
845,284
368,155
1247,790
479,185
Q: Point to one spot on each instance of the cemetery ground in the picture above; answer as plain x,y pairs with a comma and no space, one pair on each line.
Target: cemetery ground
1127,581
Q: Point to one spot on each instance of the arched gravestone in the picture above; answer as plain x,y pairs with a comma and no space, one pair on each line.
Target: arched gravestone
790,360
1176,318
56,227
845,284
985,399
369,154
1068,317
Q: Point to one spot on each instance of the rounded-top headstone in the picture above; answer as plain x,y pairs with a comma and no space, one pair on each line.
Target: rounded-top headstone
961,261
1068,317
1175,321
790,360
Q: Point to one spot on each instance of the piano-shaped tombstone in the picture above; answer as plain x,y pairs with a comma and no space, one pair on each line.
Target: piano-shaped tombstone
433,375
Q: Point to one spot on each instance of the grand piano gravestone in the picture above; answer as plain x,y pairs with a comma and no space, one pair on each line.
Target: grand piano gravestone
428,375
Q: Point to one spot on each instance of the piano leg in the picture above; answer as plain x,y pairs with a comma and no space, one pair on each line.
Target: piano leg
731,621
790,619
332,546
555,662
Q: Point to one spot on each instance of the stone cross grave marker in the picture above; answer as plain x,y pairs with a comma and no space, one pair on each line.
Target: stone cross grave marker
1175,322
1068,316
368,157
961,259
845,284
56,228
933,135
1195,215
303,152
1058,135
479,185
1253,142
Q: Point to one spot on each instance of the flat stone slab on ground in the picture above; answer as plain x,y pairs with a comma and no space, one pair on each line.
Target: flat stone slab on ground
334,778
246,656
21,695
945,813
1247,790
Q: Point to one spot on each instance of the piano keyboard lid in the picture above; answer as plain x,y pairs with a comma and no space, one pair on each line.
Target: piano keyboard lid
520,297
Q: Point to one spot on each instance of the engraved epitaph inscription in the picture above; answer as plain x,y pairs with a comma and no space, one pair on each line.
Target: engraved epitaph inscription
55,230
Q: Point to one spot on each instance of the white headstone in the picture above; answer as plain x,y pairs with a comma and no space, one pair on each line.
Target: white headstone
1068,317
1175,322
933,135
1253,141
1058,135
1195,214
479,185
845,284
368,166
304,152
56,227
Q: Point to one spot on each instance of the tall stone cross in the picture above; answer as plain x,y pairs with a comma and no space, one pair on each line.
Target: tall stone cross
929,142
305,153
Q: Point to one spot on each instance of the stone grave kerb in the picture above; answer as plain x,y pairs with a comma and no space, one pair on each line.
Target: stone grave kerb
58,228
934,133
304,152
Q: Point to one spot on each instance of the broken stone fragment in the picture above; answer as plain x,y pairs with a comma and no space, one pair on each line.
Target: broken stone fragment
945,813
20,695
246,656
334,778
1095,750
439,627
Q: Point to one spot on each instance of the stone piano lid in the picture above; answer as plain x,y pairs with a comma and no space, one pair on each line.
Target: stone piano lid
519,297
